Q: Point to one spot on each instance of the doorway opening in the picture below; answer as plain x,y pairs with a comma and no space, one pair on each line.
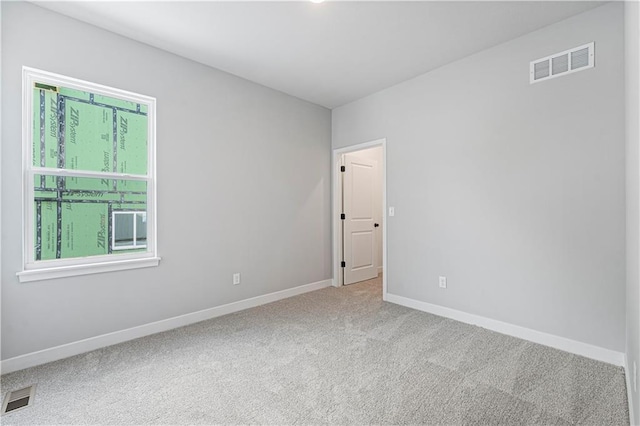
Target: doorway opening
359,214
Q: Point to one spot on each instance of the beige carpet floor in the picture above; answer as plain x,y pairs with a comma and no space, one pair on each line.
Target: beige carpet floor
337,356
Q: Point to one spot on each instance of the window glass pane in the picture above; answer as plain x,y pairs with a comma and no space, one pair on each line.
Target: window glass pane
45,128
141,229
132,143
73,215
79,130
123,230
46,229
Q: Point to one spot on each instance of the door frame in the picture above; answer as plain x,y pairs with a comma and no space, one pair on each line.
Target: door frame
336,162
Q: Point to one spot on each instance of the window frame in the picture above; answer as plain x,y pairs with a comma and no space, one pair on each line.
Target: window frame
56,268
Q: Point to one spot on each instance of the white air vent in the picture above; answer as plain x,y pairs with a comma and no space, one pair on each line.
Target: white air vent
18,399
567,62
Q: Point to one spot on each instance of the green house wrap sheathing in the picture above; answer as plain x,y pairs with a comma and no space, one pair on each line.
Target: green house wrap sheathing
81,131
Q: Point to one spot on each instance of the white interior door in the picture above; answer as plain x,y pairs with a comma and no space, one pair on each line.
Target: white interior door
359,186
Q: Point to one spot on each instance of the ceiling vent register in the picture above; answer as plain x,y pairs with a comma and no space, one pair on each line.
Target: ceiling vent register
563,63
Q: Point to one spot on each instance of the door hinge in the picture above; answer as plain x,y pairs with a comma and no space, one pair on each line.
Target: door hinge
343,169
343,216
343,264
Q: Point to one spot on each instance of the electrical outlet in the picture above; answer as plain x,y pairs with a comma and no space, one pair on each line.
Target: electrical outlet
442,282
236,278
635,377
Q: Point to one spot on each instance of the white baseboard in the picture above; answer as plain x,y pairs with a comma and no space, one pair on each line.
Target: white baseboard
81,346
579,348
628,373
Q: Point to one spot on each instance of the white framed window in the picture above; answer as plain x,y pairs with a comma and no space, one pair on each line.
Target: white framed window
89,178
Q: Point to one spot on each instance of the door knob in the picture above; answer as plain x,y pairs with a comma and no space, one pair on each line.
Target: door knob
376,225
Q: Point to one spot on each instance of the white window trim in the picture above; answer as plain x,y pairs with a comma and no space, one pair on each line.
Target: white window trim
59,268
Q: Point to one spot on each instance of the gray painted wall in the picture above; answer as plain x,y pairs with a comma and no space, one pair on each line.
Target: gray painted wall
632,90
243,186
515,192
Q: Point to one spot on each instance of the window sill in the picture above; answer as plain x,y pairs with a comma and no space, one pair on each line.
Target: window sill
94,268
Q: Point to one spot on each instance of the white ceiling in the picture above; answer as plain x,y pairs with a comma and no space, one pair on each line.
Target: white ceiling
330,53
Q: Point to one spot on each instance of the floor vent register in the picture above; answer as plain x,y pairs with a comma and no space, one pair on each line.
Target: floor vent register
18,399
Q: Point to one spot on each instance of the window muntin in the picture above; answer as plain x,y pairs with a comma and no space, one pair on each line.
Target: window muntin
89,158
